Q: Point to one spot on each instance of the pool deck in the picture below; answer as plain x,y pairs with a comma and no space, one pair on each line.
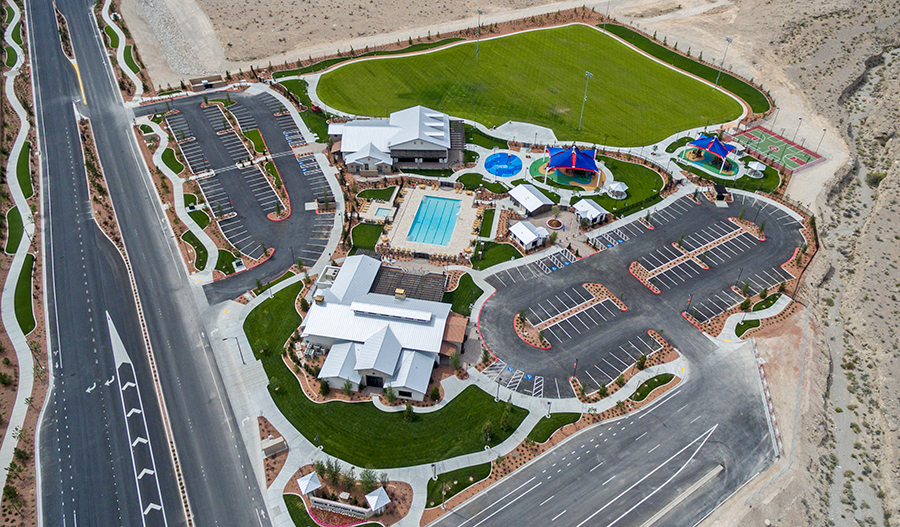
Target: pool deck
462,231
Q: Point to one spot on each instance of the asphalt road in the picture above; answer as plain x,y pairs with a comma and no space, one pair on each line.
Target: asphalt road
87,472
303,234
606,341
624,472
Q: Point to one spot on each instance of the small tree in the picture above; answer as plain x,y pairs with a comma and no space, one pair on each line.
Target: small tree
603,391
741,214
680,239
620,405
745,305
745,289
435,393
408,413
304,305
383,479
764,292
347,388
641,362
319,467
781,287
620,381
368,480
762,227
390,395
486,430
334,470
324,387
455,361
552,238
504,421
485,356
348,478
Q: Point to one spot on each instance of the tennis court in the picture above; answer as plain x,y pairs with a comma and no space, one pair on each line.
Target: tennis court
776,148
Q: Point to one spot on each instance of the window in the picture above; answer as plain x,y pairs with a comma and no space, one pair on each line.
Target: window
404,393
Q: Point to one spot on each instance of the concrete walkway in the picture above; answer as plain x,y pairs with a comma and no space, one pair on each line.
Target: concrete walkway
729,331
206,275
120,52
8,299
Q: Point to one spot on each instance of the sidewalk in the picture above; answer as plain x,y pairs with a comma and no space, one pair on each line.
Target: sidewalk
728,332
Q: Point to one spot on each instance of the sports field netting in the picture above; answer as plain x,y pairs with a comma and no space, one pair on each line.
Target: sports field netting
776,148
537,77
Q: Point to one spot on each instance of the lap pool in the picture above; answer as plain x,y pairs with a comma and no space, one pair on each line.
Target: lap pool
434,221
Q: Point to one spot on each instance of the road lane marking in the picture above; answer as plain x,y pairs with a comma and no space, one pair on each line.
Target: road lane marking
593,469
640,436
546,500
498,501
508,504
557,516
694,419
607,481
652,449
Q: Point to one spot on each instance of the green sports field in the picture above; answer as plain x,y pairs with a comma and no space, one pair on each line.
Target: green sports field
537,77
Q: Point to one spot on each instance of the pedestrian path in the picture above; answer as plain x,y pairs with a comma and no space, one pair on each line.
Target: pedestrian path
120,52
729,334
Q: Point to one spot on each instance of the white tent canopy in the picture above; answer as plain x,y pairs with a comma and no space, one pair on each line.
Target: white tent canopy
308,483
377,499
756,165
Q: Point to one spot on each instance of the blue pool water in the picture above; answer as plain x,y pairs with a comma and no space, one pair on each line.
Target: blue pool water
434,221
382,212
503,165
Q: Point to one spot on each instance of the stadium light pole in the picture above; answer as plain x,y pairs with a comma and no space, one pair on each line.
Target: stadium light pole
820,141
587,78
728,43
797,130
478,38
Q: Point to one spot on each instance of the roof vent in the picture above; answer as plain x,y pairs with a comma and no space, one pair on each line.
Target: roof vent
320,299
400,294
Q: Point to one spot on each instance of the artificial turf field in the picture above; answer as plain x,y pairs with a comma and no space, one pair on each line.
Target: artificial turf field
537,77
776,147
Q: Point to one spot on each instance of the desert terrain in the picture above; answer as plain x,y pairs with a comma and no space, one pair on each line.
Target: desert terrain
833,67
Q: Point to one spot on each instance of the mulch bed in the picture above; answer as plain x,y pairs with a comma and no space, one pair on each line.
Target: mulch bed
274,463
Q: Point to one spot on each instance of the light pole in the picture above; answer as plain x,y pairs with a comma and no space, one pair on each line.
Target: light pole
728,43
549,403
820,141
587,79
775,119
478,38
797,130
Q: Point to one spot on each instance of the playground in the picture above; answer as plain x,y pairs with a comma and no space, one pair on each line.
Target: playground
776,148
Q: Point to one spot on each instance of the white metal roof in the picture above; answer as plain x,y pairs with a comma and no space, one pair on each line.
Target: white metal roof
423,124
414,371
618,186
354,279
368,151
358,133
529,197
756,165
341,363
379,352
393,311
308,483
527,233
588,208
377,499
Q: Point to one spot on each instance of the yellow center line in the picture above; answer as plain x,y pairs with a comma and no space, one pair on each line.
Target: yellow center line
80,84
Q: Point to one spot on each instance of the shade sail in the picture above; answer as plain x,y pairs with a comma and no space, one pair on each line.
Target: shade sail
572,158
711,144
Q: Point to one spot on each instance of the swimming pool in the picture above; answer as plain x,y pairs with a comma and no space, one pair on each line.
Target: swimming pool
434,221
382,212
503,165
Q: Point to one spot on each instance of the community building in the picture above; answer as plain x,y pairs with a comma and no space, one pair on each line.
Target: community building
375,339
589,211
528,235
416,137
531,199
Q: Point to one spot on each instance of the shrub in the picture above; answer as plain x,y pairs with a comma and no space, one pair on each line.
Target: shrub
504,421
408,413
304,305
6,361
435,392
620,381
603,391
745,305
485,356
368,481
389,394
641,362
455,361
763,293
324,388
347,388
319,467
5,379
486,430
781,287
348,478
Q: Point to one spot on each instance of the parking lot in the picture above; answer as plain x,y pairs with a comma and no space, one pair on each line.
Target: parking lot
576,324
290,130
238,236
730,249
195,157
313,175
620,234
674,211
532,270
708,234
616,359
235,147
181,130
215,195
261,188
244,117
216,118
660,257
677,275
314,243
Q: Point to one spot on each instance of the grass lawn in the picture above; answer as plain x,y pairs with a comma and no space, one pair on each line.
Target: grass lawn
678,143
486,223
756,99
225,262
768,183
359,433
472,181
507,83
319,66
273,283
145,129
301,518
651,384
299,88
11,56
23,170
554,197
457,481
494,253
365,235
158,118
745,326
462,298
9,14
17,33
257,140
470,156
129,60
199,250
317,122
113,37
767,302
428,172
201,217
270,168
550,181
477,137
168,157
14,230
547,425
223,102
643,187
383,194
24,312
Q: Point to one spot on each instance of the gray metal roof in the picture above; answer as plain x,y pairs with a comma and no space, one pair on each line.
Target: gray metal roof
341,363
379,352
414,371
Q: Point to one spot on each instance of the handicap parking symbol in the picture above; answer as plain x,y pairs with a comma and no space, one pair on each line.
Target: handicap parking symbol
609,245
553,267
509,368
528,376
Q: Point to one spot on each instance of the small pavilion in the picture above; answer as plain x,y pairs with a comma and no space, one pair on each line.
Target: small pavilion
617,190
377,500
711,144
309,484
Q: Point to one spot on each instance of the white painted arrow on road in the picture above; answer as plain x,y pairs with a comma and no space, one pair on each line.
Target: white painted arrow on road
138,440
145,472
152,507
110,381
89,390
133,411
129,384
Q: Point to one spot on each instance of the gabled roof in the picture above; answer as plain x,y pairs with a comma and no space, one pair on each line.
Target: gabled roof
529,197
354,279
356,134
341,363
588,208
618,186
379,352
421,123
368,151
377,499
527,233
455,331
572,158
308,483
414,371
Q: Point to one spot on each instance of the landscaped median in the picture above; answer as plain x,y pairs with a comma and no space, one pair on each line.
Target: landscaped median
360,433
24,307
